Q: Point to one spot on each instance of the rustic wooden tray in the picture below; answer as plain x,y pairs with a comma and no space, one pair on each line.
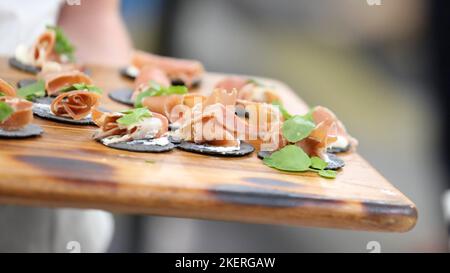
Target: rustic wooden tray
65,168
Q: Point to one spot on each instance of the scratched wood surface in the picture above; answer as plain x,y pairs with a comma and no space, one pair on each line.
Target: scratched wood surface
65,168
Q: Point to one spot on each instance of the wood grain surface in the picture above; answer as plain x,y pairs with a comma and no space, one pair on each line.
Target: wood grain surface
66,168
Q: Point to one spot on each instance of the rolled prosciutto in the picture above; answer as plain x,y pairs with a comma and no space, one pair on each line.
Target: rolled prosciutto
75,104
22,115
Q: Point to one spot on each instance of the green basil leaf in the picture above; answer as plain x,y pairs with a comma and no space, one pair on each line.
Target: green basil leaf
35,90
156,90
328,174
5,111
297,128
283,110
2,94
82,86
318,163
134,116
290,158
62,45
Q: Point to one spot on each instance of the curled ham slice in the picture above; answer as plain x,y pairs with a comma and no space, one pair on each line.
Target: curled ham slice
42,50
186,70
264,121
215,125
6,89
75,104
22,116
108,126
56,81
248,90
321,114
147,75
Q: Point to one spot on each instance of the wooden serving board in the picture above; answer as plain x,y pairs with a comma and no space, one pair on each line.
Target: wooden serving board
66,168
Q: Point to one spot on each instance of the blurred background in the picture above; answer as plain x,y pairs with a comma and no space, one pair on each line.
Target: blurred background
381,68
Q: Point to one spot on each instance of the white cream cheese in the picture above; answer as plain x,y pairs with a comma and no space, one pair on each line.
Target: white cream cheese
341,142
133,71
221,149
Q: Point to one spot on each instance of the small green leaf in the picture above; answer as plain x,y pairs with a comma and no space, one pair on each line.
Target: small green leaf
283,110
297,128
255,82
2,94
318,163
328,174
82,86
5,111
35,90
62,45
290,158
157,90
134,116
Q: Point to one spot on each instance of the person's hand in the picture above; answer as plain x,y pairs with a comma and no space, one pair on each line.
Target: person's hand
98,32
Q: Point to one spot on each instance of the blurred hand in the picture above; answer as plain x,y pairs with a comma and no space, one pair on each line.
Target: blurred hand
98,32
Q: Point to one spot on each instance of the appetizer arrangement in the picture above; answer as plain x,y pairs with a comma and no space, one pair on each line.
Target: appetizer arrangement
51,46
240,115
137,130
148,70
62,94
15,115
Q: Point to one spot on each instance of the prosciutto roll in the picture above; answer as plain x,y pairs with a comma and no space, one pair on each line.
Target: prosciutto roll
56,81
22,115
6,89
75,104
176,69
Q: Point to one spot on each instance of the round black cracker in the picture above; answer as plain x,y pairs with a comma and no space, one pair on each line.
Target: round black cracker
122,95
31,130
23,67
333,161
337,150
136,147
195,83
25,82
125,74
47,114
245,149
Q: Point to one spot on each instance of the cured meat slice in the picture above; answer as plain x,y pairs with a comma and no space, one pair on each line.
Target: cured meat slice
75,104
180,69
22,115
43,48
157,125
54,82
6,89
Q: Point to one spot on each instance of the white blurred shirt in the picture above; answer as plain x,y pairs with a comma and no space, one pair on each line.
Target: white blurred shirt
21,21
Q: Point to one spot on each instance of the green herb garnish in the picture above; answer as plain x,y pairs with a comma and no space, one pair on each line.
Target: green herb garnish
318,163
134,116
32,91
82,86
5,111
158,90
62,45
297,128
283,110
255,82
2,94
290,158
328,174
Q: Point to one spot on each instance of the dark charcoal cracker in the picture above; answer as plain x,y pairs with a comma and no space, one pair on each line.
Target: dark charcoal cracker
47,114
25,82
196,148
122,96
134,147
24,67
174,127
124,73
30,130
196,83
336,150
44,100
333,161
